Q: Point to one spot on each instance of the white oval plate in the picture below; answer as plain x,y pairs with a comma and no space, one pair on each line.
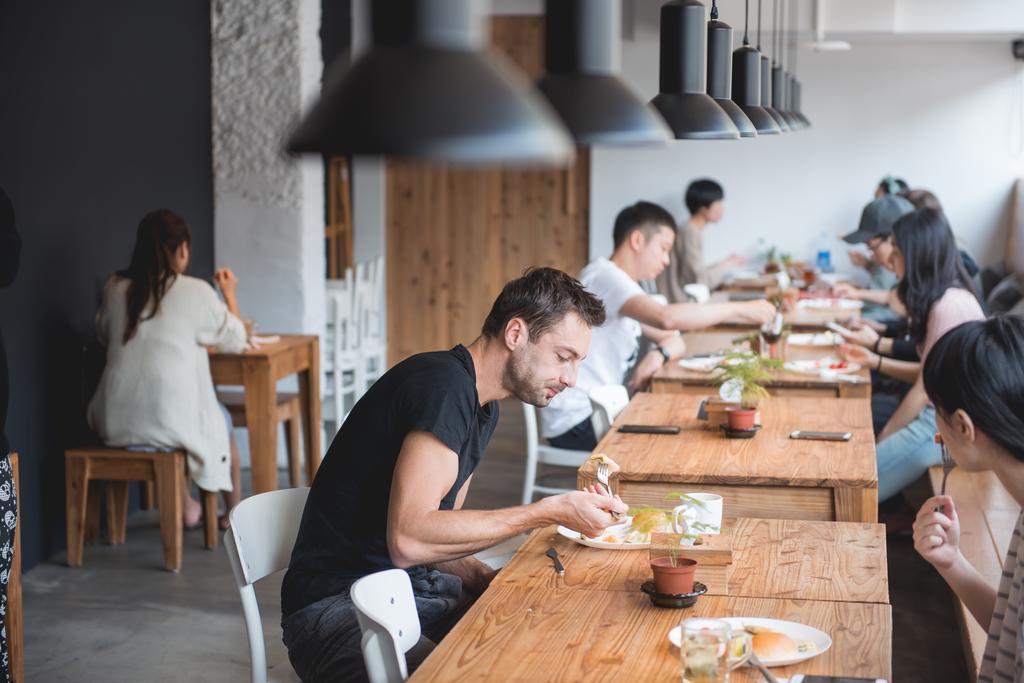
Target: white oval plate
814,367
814,339
820,640
709,364
617,530
831,304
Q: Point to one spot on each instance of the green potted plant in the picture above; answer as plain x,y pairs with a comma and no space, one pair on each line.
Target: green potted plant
772,261
745,375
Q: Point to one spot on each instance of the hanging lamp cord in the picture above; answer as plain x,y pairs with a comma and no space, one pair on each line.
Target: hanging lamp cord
775,32
758,25
714,10
746,22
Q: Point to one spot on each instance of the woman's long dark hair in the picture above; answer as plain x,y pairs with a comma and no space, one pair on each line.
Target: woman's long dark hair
978,367
932,264
151,271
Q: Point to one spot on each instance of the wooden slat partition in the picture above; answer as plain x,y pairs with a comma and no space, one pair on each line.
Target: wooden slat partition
338,230
455,236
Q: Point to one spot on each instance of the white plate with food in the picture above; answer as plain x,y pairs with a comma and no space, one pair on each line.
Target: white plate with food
817,366
776,642
814,339
831,304
706,364
632,534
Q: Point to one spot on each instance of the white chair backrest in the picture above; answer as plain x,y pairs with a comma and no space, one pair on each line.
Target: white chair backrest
387,616
607,402
701,294
259,543
539,452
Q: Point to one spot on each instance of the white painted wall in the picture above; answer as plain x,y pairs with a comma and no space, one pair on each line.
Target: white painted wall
268,206
940,114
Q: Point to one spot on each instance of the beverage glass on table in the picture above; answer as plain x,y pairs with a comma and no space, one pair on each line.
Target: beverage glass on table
710,649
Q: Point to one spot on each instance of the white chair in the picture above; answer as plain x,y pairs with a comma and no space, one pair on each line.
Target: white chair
369,311
387,616
701,294
259,543
607,402
538,452
340,354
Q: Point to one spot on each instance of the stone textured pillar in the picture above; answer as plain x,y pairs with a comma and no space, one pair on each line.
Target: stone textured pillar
268,206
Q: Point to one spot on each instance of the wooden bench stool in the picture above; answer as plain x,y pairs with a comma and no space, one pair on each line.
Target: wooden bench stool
289,413
165,471
988,515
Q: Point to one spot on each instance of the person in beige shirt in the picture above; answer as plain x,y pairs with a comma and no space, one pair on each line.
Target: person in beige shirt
704,202
156,392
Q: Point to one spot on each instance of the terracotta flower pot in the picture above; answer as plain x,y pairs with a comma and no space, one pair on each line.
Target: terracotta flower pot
741,418
673,580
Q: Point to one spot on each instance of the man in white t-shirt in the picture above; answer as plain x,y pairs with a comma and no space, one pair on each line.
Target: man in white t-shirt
643,236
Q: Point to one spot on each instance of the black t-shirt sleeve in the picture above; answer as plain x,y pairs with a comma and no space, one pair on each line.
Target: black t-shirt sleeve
439,402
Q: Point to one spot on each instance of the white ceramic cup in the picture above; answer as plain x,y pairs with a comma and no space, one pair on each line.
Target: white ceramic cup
700,513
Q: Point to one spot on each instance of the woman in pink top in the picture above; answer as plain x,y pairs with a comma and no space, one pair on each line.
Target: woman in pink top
938,296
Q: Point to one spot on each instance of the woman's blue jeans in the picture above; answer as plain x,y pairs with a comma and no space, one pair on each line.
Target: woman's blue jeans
907,454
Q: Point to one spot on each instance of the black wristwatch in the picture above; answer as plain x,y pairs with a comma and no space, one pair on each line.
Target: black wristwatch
664,353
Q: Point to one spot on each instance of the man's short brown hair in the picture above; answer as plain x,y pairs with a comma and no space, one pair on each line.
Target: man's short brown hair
542,297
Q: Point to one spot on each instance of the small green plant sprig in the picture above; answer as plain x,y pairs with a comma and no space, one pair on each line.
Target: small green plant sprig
750,372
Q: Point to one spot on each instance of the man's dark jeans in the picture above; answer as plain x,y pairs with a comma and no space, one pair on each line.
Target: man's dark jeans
323,639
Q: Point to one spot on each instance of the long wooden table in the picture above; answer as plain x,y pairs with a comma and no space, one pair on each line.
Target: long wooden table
772,558
592,624
769,476
258,371
673,378
801,319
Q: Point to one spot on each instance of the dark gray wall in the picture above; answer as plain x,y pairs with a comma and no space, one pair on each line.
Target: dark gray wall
104,115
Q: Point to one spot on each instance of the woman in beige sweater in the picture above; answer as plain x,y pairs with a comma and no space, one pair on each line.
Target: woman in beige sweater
156,390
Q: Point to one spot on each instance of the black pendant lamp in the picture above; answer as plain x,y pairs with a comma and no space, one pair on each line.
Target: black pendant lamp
766,80
794,89
582,82
780,79
798,103
428,89
746,84
791,101
683,99
720,72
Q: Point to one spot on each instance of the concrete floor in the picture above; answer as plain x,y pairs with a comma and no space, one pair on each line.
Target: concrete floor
121,617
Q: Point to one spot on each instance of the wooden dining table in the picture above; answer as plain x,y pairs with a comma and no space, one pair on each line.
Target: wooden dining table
593,624
801,319
674,378
770,475
258,371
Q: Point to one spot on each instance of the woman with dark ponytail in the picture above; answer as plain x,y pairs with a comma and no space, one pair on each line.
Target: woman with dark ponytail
937,294
975,377
156,390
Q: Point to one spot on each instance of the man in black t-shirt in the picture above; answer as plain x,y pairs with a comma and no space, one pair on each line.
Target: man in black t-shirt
389,493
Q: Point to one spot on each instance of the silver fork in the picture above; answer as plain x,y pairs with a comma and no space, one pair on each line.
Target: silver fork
602,478
756,663
947,466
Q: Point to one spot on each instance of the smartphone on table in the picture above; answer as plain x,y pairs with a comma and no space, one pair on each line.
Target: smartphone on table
821,436
649,429
802,678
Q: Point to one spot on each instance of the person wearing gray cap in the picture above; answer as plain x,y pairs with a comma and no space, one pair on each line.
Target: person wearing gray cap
875,226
